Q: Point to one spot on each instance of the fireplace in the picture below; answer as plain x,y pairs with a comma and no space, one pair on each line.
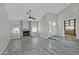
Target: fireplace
26,33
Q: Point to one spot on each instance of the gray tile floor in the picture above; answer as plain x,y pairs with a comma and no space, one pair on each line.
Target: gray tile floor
42,46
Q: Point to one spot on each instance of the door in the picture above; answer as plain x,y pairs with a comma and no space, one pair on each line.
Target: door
70,27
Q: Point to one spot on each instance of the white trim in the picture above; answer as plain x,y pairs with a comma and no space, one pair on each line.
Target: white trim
43,35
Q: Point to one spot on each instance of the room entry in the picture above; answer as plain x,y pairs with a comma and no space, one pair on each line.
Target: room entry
70,27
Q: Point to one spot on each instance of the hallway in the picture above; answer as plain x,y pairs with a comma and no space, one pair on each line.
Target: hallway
42,46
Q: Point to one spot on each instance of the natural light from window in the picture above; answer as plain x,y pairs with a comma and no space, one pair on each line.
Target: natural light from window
34,29
16,30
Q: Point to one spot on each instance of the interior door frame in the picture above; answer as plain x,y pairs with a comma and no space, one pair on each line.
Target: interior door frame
69,23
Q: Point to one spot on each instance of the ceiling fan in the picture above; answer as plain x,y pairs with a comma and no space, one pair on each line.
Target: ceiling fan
29,14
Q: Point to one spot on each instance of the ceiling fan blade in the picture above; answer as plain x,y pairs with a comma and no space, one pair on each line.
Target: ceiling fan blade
33,18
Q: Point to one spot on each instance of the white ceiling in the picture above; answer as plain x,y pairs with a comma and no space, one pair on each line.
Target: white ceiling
17,11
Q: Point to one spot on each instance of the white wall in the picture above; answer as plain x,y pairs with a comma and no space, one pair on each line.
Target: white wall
71,12
4,28
44,25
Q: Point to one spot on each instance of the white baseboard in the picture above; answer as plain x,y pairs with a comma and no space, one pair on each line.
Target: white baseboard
42,35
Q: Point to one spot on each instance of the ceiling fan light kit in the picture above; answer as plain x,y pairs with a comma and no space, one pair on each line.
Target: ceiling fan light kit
30,17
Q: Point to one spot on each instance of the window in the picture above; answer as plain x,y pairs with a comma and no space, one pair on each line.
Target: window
16,30
34,29
51,25
69,24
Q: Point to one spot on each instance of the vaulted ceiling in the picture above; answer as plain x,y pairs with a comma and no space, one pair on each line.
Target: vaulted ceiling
17,11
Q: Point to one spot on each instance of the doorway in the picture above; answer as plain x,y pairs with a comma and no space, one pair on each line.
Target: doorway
70,27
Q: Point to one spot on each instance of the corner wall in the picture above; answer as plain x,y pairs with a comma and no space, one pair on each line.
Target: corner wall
4,28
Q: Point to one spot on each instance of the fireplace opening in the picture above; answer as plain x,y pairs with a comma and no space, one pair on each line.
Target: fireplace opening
26,33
